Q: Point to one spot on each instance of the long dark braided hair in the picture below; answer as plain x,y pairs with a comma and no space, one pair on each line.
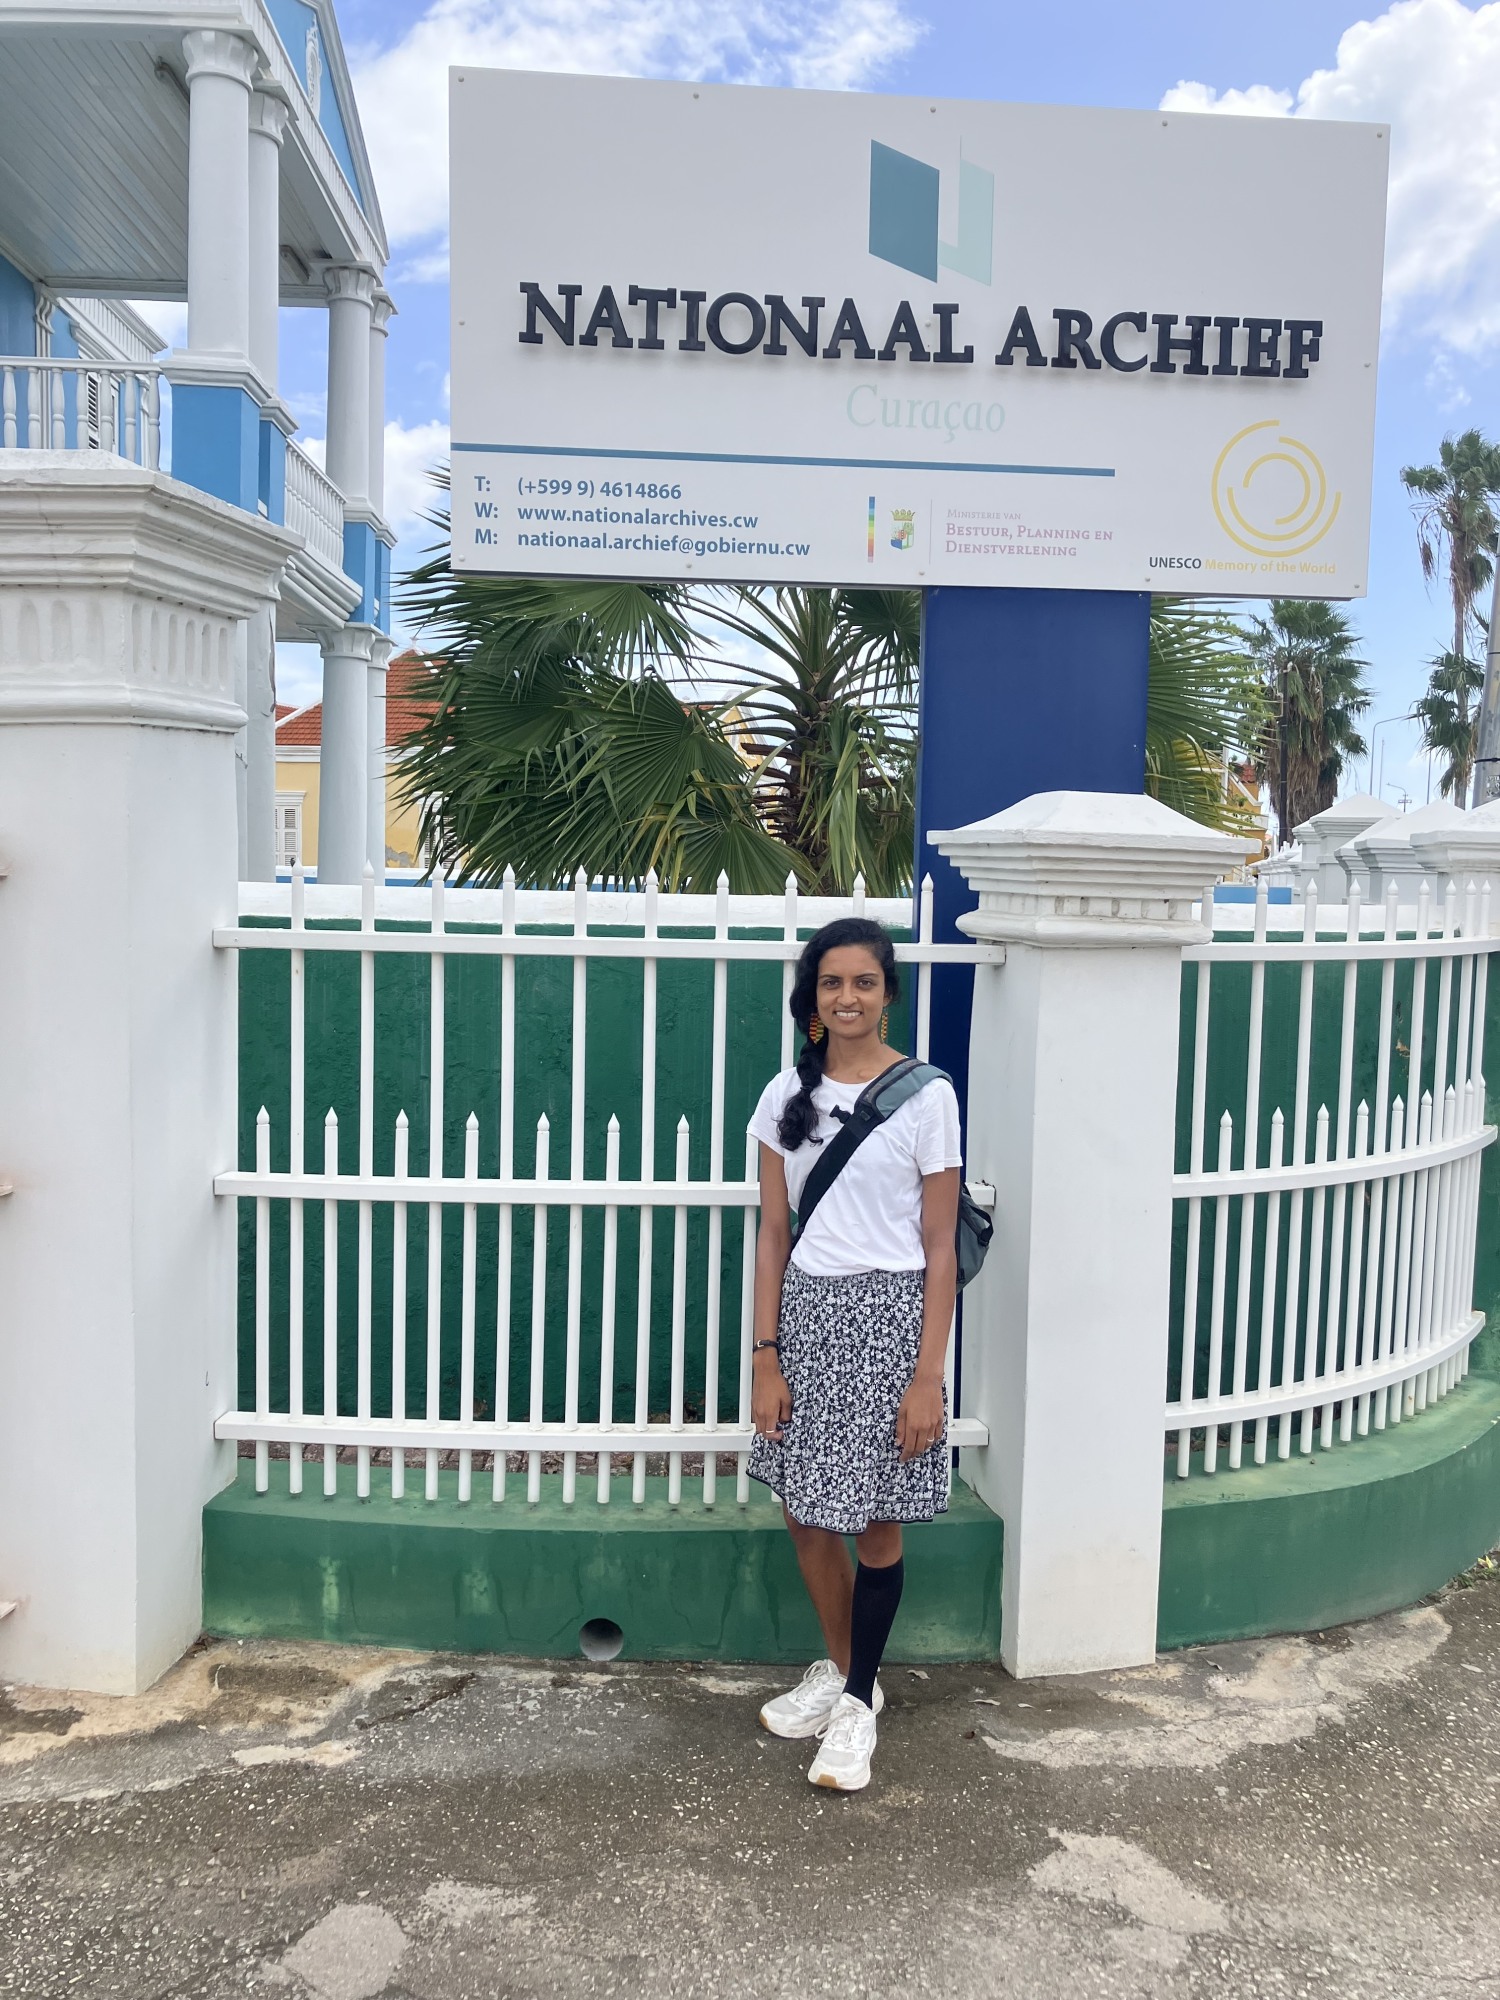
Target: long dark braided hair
800,1116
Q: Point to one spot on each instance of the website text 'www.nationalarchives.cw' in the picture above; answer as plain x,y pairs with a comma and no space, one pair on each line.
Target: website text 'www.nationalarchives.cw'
643,517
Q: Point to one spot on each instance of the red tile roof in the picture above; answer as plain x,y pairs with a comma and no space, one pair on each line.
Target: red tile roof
302,728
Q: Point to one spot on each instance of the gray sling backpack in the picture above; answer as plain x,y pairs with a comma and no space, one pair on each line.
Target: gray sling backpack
884,1095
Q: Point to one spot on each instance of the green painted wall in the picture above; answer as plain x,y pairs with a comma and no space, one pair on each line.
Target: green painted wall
691,1584
543,1028
1313,1542
1291,1546
471,1083
1229,1016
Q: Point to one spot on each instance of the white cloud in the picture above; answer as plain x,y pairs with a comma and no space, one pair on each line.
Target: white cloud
1261,100
1431,68
427,267
403,88
166,316
1443,384
409,456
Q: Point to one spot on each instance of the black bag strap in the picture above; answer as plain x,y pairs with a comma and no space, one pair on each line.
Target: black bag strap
880,1097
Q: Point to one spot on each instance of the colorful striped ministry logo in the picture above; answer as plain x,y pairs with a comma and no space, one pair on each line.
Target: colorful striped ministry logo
904,216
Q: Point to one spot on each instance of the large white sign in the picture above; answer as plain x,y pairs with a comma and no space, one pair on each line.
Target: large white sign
803,336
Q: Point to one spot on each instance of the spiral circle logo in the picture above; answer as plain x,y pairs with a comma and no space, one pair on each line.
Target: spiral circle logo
1271,493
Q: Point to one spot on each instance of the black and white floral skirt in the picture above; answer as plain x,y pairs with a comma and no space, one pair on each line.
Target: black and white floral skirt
848,1351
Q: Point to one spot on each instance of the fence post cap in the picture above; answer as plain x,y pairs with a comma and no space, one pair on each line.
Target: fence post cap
1089,868
1400,833
1460,845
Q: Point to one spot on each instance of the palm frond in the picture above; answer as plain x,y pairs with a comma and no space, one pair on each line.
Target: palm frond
1203,706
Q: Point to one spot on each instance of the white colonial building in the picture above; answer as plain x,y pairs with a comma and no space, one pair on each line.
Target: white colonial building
160,529
211,155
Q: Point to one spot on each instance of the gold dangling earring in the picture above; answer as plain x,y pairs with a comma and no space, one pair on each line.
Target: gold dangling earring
814,1030
885,1024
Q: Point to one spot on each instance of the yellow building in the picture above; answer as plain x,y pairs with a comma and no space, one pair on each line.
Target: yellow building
299,740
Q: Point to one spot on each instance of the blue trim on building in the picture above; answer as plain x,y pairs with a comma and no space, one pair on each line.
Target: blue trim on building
216,443
292,19
17,311
64,339
272,481
367,559
383,609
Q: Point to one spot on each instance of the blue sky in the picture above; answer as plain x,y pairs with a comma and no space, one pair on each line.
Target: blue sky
1430,67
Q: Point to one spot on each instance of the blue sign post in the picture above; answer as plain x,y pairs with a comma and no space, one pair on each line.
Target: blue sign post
1022,691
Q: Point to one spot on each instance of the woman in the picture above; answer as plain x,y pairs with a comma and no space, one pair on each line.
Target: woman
851,1329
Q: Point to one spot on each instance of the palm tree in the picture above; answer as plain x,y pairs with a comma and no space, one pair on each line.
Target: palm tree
1204,709
1315,691
1453,502
1450,725
559,734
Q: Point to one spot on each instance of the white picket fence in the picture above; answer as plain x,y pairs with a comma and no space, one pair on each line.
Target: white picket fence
1331,1266
350,1193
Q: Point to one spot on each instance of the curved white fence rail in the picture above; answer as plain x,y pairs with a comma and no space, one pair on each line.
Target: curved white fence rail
1325,1270
55,405
314,508
347,1194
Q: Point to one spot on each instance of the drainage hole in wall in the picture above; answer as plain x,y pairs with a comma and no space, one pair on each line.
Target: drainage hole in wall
600,1639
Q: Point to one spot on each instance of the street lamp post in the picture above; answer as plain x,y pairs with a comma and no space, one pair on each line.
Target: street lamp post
1383,723
1487,746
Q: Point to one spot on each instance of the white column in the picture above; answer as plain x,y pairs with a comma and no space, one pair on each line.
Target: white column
268,116
380,657
343,761
258,861
382,309
120,596
241,697
351,295
1072,1105
220,67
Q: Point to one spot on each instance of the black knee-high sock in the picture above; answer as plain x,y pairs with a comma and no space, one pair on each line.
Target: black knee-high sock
877,1592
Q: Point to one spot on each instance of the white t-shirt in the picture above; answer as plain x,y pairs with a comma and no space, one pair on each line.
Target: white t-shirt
871,1217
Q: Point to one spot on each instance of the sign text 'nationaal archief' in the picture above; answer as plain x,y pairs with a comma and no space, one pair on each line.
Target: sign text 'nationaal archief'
800,336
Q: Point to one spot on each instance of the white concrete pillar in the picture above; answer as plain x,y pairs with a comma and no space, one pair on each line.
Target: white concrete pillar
380,658
1466,852
1324,840
343,761
1385,852
258,861
1072,1107
382,310
268,116
220,67
120,596
351,296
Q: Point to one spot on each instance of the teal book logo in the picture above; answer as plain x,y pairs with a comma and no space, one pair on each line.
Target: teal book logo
904,216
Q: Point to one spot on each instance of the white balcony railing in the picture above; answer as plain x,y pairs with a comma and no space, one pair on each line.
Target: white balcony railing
55,405
314,508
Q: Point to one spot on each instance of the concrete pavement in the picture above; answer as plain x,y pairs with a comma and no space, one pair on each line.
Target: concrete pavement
1298,1816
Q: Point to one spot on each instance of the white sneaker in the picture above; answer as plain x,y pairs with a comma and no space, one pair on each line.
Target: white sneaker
805,1709
843,1759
